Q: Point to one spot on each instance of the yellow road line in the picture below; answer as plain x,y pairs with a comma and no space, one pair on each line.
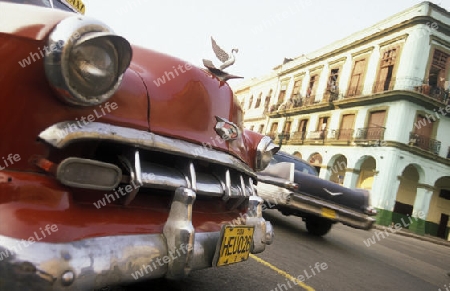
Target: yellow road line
282,273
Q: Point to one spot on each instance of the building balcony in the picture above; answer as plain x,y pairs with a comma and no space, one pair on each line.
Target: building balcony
343,134
369,133
297,137
316,136
424,142
330,94
284,137
434,92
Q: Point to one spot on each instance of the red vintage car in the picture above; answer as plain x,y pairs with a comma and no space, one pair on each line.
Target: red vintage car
107,175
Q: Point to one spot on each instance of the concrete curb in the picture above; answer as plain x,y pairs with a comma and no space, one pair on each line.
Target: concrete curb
432,239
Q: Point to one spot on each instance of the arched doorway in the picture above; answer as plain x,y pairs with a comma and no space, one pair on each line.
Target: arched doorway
438,219
406,195
297,154
367,173
316,161
338,166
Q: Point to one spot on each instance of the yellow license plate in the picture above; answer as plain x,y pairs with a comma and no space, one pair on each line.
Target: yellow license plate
328,213
77,4
235,244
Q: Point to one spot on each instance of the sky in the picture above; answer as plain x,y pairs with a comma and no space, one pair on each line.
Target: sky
264,31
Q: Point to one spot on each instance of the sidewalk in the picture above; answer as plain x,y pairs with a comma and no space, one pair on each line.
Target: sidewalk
405,232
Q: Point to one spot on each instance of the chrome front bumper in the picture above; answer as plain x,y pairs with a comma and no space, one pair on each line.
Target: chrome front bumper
344,215
276,193
103,261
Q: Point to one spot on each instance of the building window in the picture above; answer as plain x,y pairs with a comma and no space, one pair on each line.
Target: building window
281,96
267,101
296,89
322,125
273,131
250,102
356,80
302,125
375,127
333,80
321,129
422,134
385,75
287,127
296,100
274,127
332,91
439,69
258,101
261,128
346,129
312,86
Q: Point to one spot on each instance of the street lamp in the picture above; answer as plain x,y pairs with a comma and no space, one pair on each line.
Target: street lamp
280,137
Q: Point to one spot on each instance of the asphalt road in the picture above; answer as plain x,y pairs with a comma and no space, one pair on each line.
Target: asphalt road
338,261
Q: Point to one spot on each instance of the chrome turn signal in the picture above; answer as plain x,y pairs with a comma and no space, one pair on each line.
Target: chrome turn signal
264,153
90,174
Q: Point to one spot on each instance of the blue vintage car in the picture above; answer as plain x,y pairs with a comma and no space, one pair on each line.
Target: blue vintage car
292,186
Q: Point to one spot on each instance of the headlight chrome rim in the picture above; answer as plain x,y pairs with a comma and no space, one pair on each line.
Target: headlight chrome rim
75,34
264,153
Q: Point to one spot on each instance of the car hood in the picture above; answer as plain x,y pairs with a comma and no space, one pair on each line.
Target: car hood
185,102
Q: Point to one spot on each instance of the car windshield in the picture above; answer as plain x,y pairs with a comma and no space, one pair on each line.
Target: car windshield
66,5
298,164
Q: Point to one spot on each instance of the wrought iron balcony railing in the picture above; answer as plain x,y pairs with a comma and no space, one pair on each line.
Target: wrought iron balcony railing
370,133
425,142
342,134
434,92
298,137
317,135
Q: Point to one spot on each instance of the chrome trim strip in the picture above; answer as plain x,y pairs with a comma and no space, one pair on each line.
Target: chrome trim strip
61,134
193,176
227,185
279,182
161,177
137,168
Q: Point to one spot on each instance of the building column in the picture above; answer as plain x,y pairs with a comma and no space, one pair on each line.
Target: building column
421,208
384,190
350,178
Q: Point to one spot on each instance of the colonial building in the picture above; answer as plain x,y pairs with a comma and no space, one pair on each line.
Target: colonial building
370,111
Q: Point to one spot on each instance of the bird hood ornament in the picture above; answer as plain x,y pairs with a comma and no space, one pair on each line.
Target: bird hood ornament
226,59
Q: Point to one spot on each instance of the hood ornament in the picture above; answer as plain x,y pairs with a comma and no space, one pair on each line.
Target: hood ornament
226,59
225,129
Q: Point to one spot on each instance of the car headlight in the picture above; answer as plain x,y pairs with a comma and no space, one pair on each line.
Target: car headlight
85,61
264,153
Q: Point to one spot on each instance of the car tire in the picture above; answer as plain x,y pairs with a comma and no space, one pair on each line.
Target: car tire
318,226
